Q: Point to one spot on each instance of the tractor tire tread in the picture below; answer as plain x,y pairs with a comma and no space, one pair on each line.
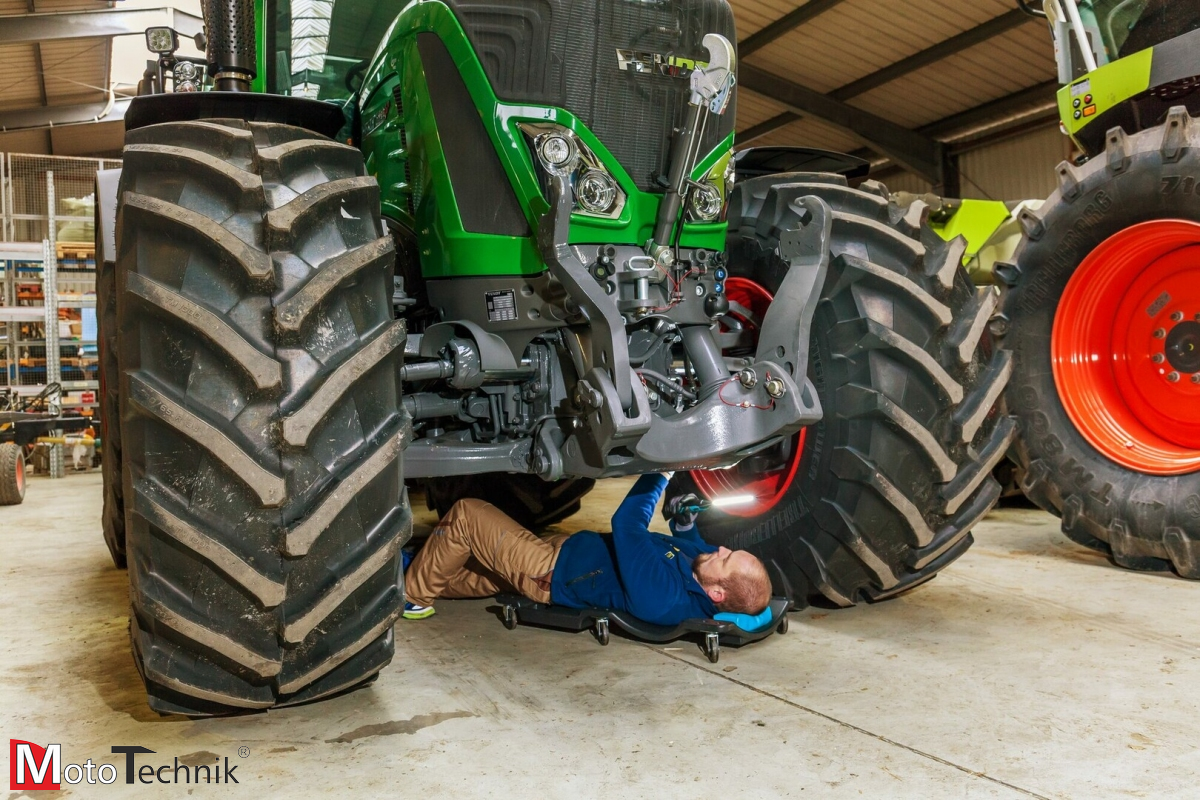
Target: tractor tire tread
12,484
866,518
227,617
1140,521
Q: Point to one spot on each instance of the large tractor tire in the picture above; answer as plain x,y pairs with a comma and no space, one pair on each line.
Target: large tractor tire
531,501
261,416
12,475
883,492
1101,311
113,513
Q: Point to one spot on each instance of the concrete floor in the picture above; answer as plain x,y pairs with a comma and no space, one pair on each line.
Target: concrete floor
1030,668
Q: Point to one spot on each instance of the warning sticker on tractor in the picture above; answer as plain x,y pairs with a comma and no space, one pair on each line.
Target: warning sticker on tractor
502,306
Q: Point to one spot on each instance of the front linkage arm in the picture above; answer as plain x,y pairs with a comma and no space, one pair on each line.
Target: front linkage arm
742,415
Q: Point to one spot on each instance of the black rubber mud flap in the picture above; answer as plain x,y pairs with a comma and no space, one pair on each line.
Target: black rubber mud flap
892,480
1143,521
261,416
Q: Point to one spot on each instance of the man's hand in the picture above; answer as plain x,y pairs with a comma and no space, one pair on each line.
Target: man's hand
684,509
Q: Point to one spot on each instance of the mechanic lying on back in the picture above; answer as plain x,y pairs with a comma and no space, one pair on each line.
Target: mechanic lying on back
478,551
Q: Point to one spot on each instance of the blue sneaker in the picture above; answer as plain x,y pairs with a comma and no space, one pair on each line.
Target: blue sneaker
406,557
414,611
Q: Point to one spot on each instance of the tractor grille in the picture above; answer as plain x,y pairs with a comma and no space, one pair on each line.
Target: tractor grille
564,53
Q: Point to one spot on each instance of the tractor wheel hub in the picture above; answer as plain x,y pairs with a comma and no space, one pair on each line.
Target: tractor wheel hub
1126,347
1183,347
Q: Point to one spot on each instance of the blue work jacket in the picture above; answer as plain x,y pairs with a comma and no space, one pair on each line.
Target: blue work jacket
649,575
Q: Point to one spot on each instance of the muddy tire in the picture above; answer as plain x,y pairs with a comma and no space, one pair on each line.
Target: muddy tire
1118,497
887,487
531,501
113,513
12,475
261,416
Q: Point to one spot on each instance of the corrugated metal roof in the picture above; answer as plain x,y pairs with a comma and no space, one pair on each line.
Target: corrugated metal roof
812,133
849,40
857,37
62,72
752,15
18,76
14,8
76,70
754,108
987,71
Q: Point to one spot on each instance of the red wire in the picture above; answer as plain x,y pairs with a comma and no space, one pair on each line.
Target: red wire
744,403
675,291
721,391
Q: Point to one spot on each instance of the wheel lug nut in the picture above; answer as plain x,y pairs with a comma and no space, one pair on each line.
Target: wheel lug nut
1196,377
1173,377
1158,358
1177,316
1160,334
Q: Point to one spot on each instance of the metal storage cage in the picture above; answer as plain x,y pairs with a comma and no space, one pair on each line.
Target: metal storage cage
47,239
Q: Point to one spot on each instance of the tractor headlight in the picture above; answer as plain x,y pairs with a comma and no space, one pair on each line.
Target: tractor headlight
708,193
559,151
596,192
556,152
705,202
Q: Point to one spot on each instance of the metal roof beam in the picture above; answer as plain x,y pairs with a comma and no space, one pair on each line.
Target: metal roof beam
47,117
784,25
931,55
85,24
767,126
41,73
918,152
1033,101
1026,101
1029,109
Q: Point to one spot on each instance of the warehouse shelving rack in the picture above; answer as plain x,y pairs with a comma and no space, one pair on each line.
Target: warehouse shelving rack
47,263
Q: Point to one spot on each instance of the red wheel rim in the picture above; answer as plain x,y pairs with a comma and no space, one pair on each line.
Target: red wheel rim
767,488
1126,347
20,473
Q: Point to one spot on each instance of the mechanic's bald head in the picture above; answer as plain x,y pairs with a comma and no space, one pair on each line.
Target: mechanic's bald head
735,580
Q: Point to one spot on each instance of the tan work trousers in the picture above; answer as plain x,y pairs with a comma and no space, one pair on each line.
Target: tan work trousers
477,551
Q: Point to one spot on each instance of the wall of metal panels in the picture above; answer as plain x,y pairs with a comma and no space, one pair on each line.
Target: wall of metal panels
906,182
1018,168
1014,169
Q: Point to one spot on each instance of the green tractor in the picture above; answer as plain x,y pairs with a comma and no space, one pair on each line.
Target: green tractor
1101,298
498,250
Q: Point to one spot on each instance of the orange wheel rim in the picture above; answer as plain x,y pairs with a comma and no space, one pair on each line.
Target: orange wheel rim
1125,347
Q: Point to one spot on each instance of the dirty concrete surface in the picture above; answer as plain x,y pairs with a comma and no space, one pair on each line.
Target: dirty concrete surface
1030,668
